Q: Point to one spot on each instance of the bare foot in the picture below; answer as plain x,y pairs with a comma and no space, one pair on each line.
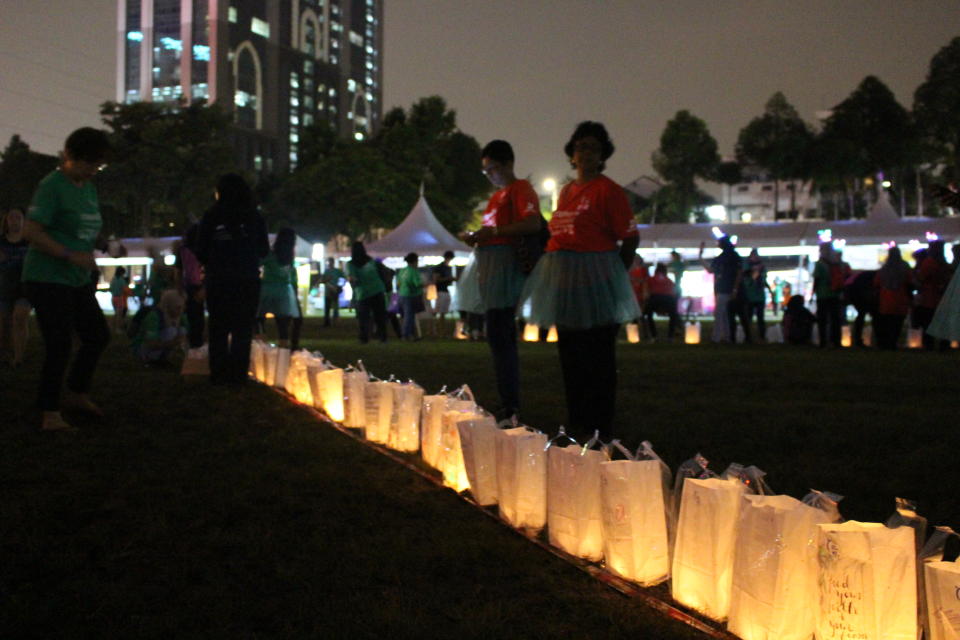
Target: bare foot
81,402
53,421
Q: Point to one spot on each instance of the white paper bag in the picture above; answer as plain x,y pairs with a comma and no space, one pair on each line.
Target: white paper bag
774,592
297,383
254,369
379,406
703,551
942,584
269,364
196,362
431,428
573,500
354,391
478,444
329,387
451,454
867,582
634,506
522,477
282,366
774,334
405,424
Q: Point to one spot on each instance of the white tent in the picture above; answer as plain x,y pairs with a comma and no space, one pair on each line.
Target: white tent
421,232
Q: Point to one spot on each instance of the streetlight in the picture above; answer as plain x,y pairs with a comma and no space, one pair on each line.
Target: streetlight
550,186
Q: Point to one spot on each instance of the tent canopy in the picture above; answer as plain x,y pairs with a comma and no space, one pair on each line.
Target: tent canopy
421,232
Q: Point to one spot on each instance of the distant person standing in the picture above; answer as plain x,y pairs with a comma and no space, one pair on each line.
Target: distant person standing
828,282
727,273
62,227
278,290
119,292
933,276
677,268
14,305
755,289
581,284
332,281
410,290
661,300
442,277
231,242
369,293
490,284
191,280
895,283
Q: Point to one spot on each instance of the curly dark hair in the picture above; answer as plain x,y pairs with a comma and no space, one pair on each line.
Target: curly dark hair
498,151
591,129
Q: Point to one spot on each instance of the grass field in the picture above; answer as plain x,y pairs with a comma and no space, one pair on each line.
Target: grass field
198,511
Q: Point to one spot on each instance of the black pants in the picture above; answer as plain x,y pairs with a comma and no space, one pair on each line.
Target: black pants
922,317
195,317
756,310
589,364
375,306
62,311
858,323
663,305
331,307
887,330
829,312
502,338
233,313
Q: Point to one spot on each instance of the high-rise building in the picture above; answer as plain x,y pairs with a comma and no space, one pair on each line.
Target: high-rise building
280,64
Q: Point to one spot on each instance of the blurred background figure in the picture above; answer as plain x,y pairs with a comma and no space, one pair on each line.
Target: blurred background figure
162,333
661,299
933,276
798,322
332,281
278,290
119,292
410,290
368,293
442,276
895,284
191,282
14,306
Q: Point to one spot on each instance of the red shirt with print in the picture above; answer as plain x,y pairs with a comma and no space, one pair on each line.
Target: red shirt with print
661,285
508,205
591,217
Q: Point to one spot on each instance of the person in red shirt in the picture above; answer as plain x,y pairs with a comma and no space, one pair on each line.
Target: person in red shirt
493,279
933,276
894,282
639,275
581,284
662,299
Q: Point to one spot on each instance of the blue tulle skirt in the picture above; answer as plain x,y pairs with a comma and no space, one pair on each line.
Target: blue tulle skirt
278,299
579,290
946,320
491,280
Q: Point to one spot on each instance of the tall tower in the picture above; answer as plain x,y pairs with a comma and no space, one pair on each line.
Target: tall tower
280,65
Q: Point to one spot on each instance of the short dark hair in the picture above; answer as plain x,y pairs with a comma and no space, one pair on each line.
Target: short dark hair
498,151
448,255
591,129
88,145
411,257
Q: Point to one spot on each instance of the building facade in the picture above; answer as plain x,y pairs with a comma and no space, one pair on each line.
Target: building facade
280,65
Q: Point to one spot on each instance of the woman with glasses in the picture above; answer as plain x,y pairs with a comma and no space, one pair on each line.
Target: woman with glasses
581,284
492,280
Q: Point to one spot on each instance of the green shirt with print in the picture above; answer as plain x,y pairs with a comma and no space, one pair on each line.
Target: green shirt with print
409,282
366,280
70,214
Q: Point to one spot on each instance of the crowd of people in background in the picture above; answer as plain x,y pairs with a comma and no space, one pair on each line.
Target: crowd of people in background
580,274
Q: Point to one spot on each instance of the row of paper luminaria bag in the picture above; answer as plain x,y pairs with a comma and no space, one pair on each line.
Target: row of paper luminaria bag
770,565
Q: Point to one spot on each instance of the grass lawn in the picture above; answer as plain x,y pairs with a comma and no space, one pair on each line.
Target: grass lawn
197,511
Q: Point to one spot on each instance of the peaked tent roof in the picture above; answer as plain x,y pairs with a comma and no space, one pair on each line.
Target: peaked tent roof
420,231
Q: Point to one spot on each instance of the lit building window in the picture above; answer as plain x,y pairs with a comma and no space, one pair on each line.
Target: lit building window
201,52
232,14
307,119
356,38
351,84
260,27
258,162
136,36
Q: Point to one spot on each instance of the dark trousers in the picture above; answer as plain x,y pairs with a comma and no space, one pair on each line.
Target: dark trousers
195,318
331,308
737,309
858,323
828,321
589,365
757,310
663,305
922,317
502,338
62,311
408,305
233,314
887,330
376,307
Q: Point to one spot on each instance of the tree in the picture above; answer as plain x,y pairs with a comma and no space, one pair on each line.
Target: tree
779,142
687,152
936,108
166,160
21,170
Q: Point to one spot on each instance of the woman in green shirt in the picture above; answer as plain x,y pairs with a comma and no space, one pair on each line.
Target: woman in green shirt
410,290
368,293
62,226
278,289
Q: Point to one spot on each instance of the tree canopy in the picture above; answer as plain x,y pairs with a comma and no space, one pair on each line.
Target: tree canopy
936,107
687,152
21,170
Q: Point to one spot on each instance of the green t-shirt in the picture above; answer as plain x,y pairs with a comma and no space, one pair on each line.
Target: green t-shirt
821,281
331,278
409,283
367,280
276,273
71,216
117,285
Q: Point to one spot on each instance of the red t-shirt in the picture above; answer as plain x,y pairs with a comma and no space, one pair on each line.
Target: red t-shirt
661,285
591,217
638,276
508,205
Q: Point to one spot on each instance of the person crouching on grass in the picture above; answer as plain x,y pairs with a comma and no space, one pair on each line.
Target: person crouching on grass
163,331
61,227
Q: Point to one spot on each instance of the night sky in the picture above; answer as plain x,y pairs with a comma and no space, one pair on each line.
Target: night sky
528,71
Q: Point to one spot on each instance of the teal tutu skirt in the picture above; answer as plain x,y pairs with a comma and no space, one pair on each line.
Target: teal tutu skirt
491,280
946,320
579,290
278,299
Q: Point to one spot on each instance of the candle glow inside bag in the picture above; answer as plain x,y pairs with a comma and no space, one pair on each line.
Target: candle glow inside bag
282,367
573,500
478,444
354,397
405,425
522,477
379,405
451,454
942,585
431,428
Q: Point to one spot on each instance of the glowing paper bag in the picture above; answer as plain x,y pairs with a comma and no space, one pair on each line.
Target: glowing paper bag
634,504
282,367
405,424
914,338
270,364
703,551
379,406
573,500
633,332
451,454
478,444
255,359
691,333
774,334
328,382
196,362
522,477
867,582
531,333
354,391
942,584
774,592
431,428
298,382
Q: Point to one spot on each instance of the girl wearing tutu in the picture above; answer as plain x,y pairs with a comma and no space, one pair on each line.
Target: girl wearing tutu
581,284
492,280
278,290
